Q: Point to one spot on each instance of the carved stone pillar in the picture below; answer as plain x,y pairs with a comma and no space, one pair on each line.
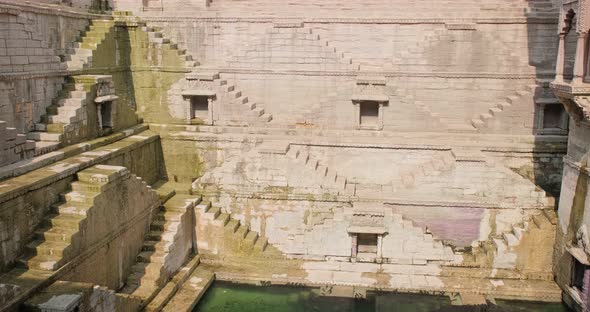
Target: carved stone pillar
210,110
560,58
580,62
379,246
354,249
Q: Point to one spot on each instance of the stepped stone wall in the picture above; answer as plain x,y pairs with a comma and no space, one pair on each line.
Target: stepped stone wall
32,41
474,64
122,213
21,212
574,205
452,186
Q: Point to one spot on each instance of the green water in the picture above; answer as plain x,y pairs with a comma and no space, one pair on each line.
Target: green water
228,297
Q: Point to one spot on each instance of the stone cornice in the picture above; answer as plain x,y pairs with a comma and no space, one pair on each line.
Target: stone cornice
576,165
575,99
350,20
387,74
76,163
461,204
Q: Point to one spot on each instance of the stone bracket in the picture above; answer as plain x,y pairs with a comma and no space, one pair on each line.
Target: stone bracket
575,99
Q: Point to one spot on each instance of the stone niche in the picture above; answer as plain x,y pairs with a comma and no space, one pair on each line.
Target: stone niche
369,99
367,229
199,105
105,107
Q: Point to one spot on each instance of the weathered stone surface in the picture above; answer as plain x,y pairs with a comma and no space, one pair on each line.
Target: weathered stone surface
318,143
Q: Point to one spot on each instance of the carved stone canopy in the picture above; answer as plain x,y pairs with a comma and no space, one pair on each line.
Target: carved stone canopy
575,99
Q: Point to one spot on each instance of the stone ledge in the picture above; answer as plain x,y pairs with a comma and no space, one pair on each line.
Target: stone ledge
321,20
387,74
42,177
28,165
554,144
86,254
492,204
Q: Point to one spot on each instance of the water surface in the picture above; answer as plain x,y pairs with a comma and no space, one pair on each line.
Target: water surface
229,297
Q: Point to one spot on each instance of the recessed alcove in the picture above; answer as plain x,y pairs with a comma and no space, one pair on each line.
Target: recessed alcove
199,106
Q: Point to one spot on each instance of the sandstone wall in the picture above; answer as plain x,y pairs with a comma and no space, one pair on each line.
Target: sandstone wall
123,213
306,74
21,212
574,204
31,43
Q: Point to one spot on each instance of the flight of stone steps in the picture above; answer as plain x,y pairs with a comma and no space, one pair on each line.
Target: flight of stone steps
156,37
292,46
15,146
57,239
504,247
239,109
441,251
432,119
67,110
486,121
245,241
161,248
434,166
415,50
329,177
523,188
80,54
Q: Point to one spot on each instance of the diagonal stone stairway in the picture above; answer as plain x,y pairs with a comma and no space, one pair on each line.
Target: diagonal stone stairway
329,177
57,239
235,237
165,248
65,120
80,54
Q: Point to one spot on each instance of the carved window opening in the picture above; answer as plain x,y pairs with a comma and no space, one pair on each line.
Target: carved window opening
570,44
367,243
578,272
554,117
369,114
199,107
105,113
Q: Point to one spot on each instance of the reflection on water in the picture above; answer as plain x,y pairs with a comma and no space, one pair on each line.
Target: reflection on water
228,297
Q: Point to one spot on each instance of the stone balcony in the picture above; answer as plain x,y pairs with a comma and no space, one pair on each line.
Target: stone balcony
575,97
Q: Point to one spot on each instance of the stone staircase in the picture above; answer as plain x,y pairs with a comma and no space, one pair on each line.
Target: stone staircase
240,238
434,166
432,118
236,108
15,146
329,177
292,46
57,239
65,118
162,253
445,252
240,111
156,37
526,188
489,120
504,247
80,54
